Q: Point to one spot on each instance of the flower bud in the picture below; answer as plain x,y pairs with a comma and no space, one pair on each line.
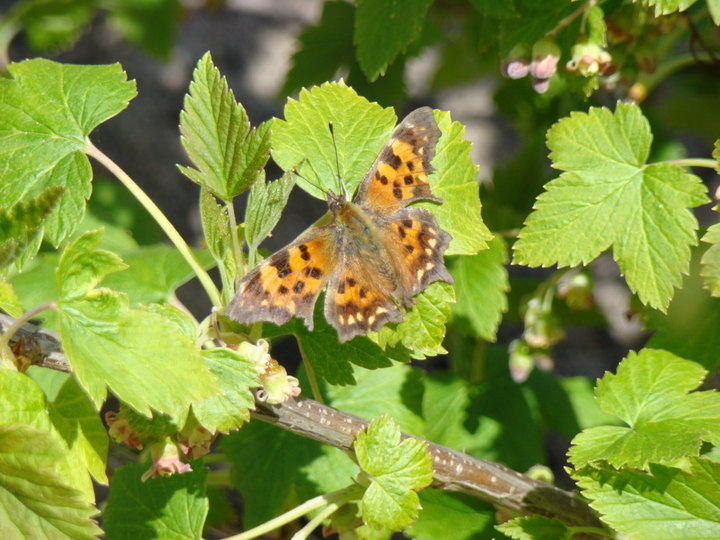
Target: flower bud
545,57
516,64
521,360
166,461
277,384
589,59
577,291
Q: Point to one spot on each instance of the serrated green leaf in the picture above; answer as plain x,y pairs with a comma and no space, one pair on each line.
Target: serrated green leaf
711,260
172,507
607,196
47,111
23,402
467,517
663,7
650,393
230,407
667,504
9,301
481,285
423,329
396,391
689,328
264,469
396,470
82,266
385,29
21,226
78,422
154,273
322,48
35,501
264,206
150,24
228,155
142,356
304,141
455,181
49,380
536,528
216,226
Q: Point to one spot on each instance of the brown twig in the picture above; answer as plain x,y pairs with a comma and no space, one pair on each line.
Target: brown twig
453,470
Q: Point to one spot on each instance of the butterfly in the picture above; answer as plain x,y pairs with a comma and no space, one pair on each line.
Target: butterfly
373,257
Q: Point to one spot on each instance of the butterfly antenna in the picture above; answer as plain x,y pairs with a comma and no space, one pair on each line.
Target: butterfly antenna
337,160
316,185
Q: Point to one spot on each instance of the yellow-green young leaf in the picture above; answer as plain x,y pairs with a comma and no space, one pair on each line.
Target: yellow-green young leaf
396,470
714,9
608,197
385,29
536,528
264,206
230,407
422,330
711,259
22,401
716,149
216,226
663,7
35,499
455,181
652,393
166,507
21,226
666,504
47,111
481,285
303,140
142,356
9,301
228,155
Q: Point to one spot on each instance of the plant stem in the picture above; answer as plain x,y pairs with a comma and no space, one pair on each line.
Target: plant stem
339,498
582,10
161,220
591,530
693,162
314,386
20,322
311,525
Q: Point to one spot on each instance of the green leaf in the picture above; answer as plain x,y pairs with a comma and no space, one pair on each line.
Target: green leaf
499,10
216,226
322,48
172,507
78,422
423,329
667,504
23,402
663,7
150,24
303,140
607,196
35,501
21,227
396,391
385,29
265,464
230,407
396,470
455,181
467,517
264,206
536,20
53,24
711,260
714,9
142,356
154,273
228,155
9,301
481,285
536,528
716,148
47,111
652,393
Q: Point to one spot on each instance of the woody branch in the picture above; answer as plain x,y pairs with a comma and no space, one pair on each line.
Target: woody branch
453,471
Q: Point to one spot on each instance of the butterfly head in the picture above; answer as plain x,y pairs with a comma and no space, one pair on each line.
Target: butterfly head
336,202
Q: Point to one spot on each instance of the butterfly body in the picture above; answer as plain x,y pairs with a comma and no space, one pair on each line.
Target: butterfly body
374,255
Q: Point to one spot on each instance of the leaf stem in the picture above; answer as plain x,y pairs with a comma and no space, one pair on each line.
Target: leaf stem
161,220
311,525
338,498
314,386
21,321
693,162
